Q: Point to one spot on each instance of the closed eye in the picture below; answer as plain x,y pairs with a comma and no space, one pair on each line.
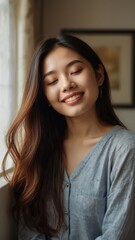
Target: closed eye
53,82
76,72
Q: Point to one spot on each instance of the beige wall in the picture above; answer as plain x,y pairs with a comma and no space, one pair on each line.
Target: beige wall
91,14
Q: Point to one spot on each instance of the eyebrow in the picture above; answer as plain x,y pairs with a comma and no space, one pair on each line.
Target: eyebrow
67,66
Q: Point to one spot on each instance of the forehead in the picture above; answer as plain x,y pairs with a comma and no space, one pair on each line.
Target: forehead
60,56
63,51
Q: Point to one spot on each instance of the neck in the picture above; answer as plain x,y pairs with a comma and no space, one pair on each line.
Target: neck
83,127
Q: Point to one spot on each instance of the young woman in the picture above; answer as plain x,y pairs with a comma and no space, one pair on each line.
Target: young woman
74,174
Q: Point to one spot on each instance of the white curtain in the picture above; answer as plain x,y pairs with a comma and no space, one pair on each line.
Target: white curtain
29,19
25,39
21,28
7,69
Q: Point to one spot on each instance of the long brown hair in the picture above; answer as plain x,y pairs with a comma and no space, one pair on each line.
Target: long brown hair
35,141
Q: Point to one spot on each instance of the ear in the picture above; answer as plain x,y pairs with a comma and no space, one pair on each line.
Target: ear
100,75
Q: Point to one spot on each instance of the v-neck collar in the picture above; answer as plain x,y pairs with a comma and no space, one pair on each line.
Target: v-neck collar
81,164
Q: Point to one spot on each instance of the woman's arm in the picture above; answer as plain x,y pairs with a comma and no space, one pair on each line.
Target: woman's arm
119,219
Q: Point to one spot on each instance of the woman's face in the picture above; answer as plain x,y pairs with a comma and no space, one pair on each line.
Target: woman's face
70,83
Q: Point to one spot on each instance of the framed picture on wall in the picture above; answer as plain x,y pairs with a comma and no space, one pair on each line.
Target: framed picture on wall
116,49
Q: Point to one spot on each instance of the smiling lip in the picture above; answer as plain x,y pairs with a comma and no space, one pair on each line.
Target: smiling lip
73,98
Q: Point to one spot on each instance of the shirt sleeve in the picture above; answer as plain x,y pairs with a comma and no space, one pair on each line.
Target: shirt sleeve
25,233
119,219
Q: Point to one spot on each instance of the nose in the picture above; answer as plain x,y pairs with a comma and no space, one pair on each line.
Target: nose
68,85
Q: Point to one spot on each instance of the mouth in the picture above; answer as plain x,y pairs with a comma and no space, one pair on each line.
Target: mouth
73,98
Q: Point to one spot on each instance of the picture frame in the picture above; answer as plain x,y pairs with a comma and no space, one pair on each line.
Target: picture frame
116,49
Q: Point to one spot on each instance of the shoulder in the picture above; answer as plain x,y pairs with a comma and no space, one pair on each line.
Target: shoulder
122,137
121,146
122,153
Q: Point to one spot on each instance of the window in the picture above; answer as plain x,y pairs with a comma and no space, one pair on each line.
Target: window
8,86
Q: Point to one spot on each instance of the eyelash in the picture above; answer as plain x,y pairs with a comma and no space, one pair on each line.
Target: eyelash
76,72
53,82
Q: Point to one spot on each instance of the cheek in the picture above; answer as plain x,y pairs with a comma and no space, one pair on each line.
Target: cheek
92,84
93,88
51,95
